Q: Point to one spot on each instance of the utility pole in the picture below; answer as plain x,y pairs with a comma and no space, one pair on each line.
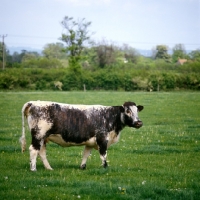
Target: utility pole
3,36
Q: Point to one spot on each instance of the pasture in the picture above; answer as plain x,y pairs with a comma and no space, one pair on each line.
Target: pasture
161,160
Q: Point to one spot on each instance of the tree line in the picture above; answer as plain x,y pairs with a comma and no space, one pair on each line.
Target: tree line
98,56
78,61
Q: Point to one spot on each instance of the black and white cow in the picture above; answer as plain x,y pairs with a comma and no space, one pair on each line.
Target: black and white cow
94,126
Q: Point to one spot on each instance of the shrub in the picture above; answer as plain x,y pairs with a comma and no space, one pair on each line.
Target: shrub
127,78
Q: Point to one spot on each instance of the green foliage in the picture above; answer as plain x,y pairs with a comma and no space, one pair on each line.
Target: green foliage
158,161
195,55
75,37
127,78
54,51
178,52
162,53
42,62
105,54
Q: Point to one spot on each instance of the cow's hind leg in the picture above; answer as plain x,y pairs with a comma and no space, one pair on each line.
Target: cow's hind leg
33,158
35,148
86,153
43,157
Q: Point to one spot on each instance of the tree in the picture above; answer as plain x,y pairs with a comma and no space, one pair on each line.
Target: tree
130,54
76,36
30,55
16,57
105,54
178,52
161,53
195,55
54,51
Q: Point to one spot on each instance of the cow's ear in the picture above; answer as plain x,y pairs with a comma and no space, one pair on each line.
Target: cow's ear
140,108
122,109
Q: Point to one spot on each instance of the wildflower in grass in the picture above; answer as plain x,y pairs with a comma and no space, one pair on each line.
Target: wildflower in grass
78,196
143,182
122,190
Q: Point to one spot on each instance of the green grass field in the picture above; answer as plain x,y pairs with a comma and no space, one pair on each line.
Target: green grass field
159,161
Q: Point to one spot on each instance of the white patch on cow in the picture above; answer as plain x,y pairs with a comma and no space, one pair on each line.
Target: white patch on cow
86,107
91,143
134,110
57,138
103,158
41,103
33,157
122,118
112,138
43,126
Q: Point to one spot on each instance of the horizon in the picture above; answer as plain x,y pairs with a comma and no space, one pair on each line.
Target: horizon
143,52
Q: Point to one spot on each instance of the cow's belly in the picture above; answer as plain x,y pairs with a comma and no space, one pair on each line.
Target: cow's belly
112,138
57,138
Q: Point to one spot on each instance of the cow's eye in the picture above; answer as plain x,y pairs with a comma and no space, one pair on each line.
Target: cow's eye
128,112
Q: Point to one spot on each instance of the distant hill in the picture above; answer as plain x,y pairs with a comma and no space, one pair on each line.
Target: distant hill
147,53
19,49
143,52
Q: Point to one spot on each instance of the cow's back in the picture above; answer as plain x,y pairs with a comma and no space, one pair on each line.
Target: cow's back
75,123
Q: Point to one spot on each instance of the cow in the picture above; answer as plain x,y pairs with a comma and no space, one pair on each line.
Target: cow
94,126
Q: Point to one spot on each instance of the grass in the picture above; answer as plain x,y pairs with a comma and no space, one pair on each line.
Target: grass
159,161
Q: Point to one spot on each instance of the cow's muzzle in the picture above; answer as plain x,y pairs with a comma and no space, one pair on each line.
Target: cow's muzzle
138,124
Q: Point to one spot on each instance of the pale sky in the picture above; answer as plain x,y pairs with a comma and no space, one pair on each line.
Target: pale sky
142,24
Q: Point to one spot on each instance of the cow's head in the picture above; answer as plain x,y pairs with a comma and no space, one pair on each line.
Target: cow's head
130,114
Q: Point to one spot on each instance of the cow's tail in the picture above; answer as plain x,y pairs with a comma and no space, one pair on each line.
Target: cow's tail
23,137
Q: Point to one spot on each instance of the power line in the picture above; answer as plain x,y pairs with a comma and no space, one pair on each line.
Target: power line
32,36
3,36
131,41
41,41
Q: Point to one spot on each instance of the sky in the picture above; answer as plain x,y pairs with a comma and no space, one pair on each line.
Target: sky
142,24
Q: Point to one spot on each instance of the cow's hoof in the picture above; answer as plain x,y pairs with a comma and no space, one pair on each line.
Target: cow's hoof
33,170
105,165
83,166
49,168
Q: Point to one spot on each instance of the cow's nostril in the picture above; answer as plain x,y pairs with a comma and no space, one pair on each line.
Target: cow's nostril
138,124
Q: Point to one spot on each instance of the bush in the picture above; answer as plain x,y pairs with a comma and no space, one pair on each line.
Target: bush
127,78
40,85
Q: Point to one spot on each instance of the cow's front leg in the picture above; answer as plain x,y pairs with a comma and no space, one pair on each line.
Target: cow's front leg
103,157
43,157
86,153
33,157
103,151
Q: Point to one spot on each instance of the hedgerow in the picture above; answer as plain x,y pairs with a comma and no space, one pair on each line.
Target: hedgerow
126,79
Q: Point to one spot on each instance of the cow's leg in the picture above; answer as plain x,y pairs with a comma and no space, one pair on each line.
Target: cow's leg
43,157
86,153
34,149
103,151
33,157
103,157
